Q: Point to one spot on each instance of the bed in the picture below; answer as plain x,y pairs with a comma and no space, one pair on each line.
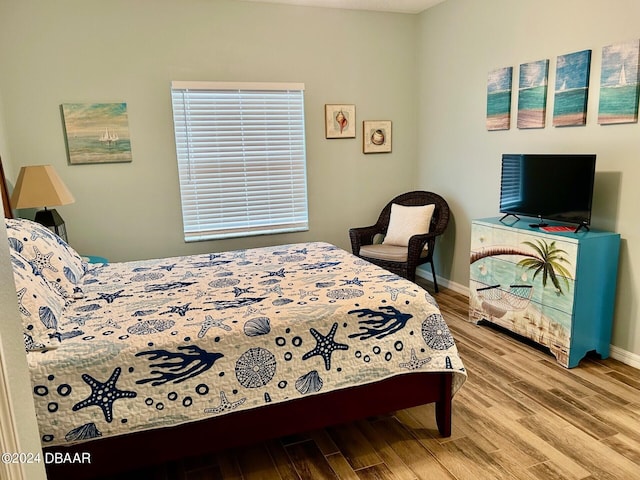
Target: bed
138,362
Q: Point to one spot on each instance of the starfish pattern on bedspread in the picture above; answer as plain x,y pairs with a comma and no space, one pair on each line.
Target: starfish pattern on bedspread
23,310
103,395
180,309
415,363
325,345
394,292
278,273
41,262
237,291
110,297
225,405
210,322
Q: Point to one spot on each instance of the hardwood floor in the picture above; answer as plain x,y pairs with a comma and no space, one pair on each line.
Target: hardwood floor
519,416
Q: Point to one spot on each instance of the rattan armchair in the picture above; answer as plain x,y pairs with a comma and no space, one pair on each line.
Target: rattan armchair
403,261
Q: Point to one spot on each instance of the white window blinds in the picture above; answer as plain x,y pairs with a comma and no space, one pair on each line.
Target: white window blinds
241,158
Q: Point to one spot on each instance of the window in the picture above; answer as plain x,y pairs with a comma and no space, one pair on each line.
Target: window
241,158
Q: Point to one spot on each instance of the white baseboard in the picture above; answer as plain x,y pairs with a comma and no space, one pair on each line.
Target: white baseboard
628,358
617,353
444,282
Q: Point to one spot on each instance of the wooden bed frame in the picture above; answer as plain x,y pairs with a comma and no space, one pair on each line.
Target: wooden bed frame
128,452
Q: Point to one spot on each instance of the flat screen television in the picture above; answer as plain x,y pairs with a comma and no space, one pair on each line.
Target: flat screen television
548,186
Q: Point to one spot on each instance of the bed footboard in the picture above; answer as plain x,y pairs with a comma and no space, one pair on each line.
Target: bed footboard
128,452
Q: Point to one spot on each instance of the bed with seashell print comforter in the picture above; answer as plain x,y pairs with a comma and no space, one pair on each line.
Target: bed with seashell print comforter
162,342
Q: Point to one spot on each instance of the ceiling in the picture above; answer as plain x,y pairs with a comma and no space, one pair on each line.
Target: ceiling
398,6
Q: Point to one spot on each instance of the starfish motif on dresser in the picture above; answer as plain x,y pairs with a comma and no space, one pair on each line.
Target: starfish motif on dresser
103,395
325,345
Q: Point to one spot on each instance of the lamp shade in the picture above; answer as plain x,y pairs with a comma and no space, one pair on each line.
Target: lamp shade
40,186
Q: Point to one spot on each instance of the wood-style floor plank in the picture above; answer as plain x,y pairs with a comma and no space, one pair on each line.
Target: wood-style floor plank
519,416
309,462
355,447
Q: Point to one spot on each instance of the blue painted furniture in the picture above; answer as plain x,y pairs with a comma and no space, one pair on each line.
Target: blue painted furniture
567,306
94,259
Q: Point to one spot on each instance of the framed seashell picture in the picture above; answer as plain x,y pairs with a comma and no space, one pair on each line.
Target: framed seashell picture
376,136
340,121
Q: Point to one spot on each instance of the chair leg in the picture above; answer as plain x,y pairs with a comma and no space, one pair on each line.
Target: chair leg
433,272
410,275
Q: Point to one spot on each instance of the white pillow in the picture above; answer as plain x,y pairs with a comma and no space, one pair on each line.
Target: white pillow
405,222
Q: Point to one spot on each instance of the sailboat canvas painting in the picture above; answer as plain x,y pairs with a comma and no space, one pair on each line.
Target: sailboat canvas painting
572,89
499,99
532,94
619,83
97,132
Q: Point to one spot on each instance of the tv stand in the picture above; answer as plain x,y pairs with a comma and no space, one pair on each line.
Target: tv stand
541,223
568,308
582,225
507,215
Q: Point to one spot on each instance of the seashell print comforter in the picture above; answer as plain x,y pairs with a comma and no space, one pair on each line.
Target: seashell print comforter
163,342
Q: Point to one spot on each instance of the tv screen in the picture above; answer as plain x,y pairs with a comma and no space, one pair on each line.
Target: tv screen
548,186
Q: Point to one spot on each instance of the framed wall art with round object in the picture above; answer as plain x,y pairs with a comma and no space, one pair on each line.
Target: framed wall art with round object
376,136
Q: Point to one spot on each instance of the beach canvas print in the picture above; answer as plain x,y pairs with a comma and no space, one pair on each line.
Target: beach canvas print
499,99
572,89
532,94
619,83
97,132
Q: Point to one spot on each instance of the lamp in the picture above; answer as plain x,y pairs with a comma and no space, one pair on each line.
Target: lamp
40,186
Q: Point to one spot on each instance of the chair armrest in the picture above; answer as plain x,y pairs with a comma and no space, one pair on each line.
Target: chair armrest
417,243
362,236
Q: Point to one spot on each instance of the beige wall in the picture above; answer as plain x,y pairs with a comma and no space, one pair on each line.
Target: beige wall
86,51
460,42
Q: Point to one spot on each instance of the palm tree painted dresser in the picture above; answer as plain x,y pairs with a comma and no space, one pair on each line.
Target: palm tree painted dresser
556,288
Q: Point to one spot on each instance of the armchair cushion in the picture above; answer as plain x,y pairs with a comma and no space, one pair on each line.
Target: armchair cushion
389,253
407,221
